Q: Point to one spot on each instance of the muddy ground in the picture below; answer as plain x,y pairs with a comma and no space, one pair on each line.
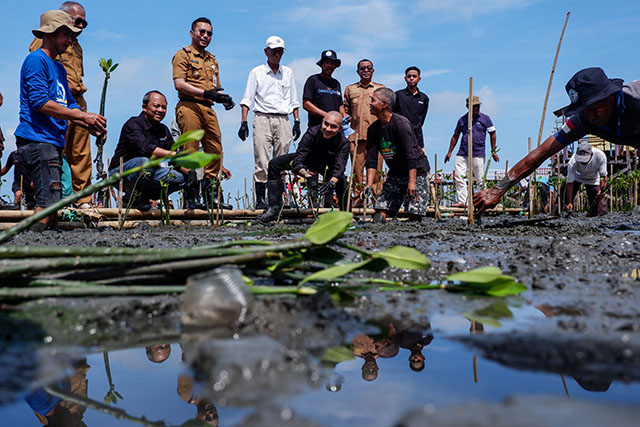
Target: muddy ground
581,273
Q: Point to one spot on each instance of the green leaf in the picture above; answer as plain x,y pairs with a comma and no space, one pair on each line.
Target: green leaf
192,135
404,257
113,68
118,394
478,275
195,160
323,255
307,290
247,280
335,272
503,289
337,354
328,227
376,265
491,314
339,295
484,320
109,63
286,262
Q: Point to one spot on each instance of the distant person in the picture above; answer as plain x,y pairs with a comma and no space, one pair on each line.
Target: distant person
414,341
588,166
481,125
158,353
392,137
77,149
144,137
322,93
271,92
46,103
599,106
22,186
196,77
356,105
412,103
321,148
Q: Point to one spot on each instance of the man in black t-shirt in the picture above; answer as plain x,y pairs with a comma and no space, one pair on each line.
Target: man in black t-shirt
322,93
22,186
412,103
392,136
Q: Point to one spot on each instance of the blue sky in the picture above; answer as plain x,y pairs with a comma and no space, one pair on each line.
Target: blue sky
506,45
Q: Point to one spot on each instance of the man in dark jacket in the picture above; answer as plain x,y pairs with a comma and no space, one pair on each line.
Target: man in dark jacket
322,148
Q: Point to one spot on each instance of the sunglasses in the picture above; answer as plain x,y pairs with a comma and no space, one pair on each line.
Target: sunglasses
366,67
79,22
203,32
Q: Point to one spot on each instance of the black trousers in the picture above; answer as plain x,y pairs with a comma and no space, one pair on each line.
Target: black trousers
285,163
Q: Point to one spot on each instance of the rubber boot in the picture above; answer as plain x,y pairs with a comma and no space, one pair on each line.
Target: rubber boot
261,201
275,188
220,202
312,191
210,195
192,196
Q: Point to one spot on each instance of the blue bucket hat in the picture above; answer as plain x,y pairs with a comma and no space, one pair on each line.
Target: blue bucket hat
587,87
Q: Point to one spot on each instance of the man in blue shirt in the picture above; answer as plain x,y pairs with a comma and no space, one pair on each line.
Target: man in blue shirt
46,104
481,124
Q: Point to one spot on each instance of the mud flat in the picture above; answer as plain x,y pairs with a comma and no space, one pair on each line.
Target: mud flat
489,361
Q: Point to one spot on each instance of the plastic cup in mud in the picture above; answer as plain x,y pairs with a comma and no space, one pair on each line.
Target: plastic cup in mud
216,298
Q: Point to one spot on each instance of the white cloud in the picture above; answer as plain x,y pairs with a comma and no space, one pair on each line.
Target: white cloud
448,101
106,35
468,9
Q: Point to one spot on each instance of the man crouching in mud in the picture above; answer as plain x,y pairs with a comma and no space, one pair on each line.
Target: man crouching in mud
599,106
321,147
392,136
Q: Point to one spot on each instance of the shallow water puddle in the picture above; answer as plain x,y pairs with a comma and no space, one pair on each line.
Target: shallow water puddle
371,381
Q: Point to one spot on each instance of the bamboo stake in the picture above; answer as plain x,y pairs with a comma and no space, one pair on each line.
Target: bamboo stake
21,191
120,189
530,213
553,70
475,368
433,189
470,153
611,188
353,162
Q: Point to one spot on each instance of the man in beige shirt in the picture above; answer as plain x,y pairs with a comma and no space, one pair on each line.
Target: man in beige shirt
357,98
77,148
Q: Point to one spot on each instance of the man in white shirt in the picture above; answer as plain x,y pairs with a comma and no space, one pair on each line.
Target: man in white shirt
271,91
589,167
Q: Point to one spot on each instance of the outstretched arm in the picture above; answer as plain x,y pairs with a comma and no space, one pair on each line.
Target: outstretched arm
452,145
488,198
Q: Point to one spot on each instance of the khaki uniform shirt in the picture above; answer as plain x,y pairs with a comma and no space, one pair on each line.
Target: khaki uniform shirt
357,99
71,59
200,71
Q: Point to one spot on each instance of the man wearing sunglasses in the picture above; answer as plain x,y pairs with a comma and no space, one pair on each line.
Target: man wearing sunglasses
357,98
196,77
77,149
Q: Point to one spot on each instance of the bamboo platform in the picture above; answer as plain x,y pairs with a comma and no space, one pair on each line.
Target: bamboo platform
108,217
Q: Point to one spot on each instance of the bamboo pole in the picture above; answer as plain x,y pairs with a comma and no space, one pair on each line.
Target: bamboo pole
353,162
530,213
21,191
611,188
553,70
219,190
120,189
470,153
434,190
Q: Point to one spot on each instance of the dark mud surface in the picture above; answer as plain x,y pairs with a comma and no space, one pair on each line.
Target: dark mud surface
579,317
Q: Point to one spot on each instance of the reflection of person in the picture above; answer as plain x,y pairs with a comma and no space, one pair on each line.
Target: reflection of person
46,104
481,124
322,93
271,92
158,353
143,137
589,167
196,77
414,341
55,412
412,103
77,149
369,349
20,176
392,136
205,409
356,104
322,147
599,106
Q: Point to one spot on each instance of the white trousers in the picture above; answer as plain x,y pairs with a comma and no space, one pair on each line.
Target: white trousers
462,164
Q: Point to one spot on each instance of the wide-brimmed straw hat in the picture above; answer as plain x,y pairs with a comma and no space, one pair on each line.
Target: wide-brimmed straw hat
474,101
51,20
587,87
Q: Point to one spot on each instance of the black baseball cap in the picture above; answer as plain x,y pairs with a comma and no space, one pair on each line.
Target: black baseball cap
329,54
587,87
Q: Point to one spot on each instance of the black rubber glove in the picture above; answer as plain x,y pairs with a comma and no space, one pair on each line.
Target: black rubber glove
229,104
296,130
243,132
326,187
216,96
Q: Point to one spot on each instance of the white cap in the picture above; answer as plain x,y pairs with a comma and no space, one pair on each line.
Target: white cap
274,42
